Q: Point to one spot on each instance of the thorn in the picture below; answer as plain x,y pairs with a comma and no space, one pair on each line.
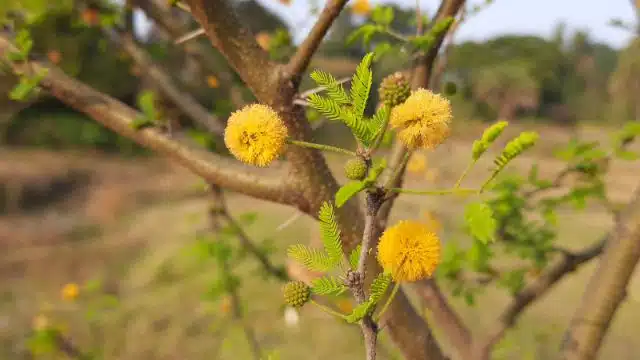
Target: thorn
189,36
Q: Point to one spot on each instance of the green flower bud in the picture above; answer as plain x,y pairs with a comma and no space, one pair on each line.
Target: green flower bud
355,169
296,293
394,89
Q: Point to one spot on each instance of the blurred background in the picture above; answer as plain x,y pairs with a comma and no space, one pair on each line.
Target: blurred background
80,205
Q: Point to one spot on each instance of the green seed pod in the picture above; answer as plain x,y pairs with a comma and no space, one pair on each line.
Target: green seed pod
296,293
355,169
394,89
450,88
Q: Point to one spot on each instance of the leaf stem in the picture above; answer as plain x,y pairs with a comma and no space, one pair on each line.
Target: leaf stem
458,191
397,171
396,287
328,310
465,173
321,147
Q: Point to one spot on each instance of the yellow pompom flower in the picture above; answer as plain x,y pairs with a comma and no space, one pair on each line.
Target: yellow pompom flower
255,135
70,292
361,7
422,120
409,250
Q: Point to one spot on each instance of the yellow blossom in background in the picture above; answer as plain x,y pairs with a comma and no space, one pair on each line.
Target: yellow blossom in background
432,221
361,7
417,163
40,322
422,120
70,292
255,135
213,82
225,305
431,175
264,40
409,250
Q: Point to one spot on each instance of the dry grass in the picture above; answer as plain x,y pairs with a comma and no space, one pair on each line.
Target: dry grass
129,228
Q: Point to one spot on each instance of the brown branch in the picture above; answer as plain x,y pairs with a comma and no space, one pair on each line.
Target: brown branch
238,45
160,78
607,288
568,263
445,316
300,60
265,184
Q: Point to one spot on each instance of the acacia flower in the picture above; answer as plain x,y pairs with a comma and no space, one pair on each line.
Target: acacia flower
255,135
409,250
361,7
70,292
422,120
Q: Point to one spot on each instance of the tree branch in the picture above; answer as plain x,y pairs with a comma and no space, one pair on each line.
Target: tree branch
163,81
568,263
445,316
300,60
607,288
268,184
238,46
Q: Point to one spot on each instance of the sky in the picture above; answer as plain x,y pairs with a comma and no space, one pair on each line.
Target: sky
537,17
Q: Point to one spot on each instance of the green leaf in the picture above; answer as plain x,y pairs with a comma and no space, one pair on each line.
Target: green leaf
379,122
480,221
366,31
335,90
141,122
379,287
377,169
382,15
312,259
328,285
146,102
330,108
23,89
354,257
23,41
513,280
627,155
360,312
330,234
381,49
349,190
514,148
361,86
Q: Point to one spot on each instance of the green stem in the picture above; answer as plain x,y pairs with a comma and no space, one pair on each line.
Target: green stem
397,172
396,287
464,173
396,35
328,310
435,192
321,147
486,183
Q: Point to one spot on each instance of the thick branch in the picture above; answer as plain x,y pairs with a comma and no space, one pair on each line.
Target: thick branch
445,317
163,81
265,184
238,45
607,288
300,60
568,263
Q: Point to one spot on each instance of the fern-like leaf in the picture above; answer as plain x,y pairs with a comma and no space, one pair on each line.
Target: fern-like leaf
328,285
379,121
354,257
379,287
335,91
514,148
330,234
360,312
361,86
312,259
327,107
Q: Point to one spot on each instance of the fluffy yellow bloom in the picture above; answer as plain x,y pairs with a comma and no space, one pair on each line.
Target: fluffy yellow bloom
255,135
409,250
422,120
361,7
417,163
70,292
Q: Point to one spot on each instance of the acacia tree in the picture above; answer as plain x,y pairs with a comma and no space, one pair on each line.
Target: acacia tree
303,180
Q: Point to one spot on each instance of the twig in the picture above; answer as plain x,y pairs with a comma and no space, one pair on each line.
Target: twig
289,221
300,60
189,36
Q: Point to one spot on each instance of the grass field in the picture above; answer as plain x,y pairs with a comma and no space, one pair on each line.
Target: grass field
129,224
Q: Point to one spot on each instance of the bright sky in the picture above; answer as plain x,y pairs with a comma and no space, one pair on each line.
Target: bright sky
502,17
